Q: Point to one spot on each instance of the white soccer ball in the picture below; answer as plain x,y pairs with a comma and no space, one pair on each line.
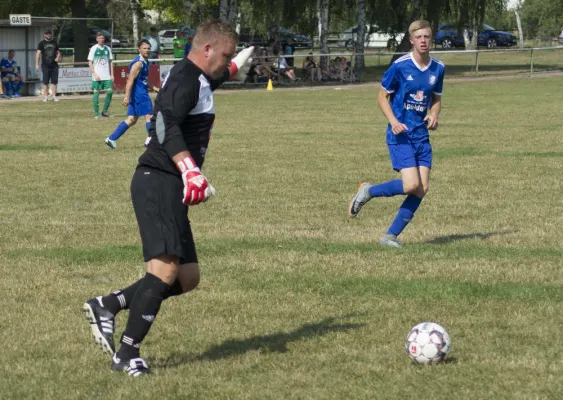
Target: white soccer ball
428,343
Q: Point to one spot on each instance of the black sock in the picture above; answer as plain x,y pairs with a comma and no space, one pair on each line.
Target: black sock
143,311
175,290
121,299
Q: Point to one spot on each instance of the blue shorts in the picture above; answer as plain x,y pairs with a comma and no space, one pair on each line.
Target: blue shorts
408,155
140,107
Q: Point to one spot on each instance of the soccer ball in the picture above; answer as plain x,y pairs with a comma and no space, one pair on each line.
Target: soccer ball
428,343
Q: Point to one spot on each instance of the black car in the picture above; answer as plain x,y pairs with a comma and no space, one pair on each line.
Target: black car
247,37
448,36
299,40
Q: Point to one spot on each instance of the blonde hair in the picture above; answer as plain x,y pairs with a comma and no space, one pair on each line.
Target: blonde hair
212,32
419,24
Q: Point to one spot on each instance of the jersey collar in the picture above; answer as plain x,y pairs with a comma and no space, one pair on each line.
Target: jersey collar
422,69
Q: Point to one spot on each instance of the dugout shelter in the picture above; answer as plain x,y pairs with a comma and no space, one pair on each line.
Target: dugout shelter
24,40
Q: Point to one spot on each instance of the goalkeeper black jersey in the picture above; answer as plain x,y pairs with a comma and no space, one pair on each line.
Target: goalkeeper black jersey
183,117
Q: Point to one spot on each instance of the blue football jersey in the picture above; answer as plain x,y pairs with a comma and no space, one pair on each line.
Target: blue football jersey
411,87
139,91
5,63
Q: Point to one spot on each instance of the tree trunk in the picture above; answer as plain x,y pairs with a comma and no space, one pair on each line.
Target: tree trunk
223,10
322,11
475,37
79,30
520,33
467,40
405,45
360,63
134,12
233,12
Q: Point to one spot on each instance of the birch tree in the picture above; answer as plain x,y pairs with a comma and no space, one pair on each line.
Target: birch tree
360,62
323,9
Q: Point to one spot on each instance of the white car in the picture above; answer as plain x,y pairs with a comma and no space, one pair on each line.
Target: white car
166,37
374,38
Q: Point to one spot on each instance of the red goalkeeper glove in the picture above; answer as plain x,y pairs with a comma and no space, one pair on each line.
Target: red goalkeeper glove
195,184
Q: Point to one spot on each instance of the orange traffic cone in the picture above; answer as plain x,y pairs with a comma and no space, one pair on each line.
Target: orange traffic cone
270,85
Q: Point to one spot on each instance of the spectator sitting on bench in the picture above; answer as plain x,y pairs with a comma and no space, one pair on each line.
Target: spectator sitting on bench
256,70
284,69
311,68
11,78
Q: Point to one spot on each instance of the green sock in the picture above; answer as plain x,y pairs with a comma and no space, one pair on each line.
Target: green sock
107,100
95,102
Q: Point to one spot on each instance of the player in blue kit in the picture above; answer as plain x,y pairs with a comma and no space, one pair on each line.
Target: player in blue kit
137,99
11,78
410,97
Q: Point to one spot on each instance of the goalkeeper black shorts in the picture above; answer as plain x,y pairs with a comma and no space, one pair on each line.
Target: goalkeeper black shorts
162,216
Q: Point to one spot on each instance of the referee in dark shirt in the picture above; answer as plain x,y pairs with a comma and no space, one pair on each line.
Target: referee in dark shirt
168,179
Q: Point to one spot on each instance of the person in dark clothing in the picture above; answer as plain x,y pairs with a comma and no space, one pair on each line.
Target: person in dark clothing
167,181
49,55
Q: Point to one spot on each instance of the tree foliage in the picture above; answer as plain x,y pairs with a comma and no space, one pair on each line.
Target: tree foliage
541,18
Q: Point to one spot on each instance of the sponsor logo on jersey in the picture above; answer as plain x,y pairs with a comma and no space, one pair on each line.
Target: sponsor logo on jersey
414,107
419,96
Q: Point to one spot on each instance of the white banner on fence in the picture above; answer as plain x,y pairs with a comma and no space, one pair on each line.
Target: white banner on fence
74,80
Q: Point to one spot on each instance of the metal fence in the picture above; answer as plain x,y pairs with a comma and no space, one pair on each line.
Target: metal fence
76,77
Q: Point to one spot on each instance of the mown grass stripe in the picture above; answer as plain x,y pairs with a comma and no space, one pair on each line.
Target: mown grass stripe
453,250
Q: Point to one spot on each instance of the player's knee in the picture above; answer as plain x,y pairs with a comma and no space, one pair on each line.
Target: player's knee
131,121
110,91
411,187
191,284
189,276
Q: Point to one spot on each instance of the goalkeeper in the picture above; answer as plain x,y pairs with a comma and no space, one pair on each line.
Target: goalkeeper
167,181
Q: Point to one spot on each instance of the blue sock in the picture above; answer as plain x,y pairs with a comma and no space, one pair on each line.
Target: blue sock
148,126
120,130
387,189
7,87
405,214
18,87
13,86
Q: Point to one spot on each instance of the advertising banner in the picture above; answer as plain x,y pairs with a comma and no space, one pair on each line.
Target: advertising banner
74,80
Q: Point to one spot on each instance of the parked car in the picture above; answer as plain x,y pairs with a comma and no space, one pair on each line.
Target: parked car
124,41
299,40
166,37
374,38
247,37
448,36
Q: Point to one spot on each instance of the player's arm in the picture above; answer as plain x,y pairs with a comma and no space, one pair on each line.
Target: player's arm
434,112
383,101
240,64
111,65
37,57
93,70
4,66
131,81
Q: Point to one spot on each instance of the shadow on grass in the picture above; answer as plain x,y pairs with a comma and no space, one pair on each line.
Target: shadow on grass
457,238
276,342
